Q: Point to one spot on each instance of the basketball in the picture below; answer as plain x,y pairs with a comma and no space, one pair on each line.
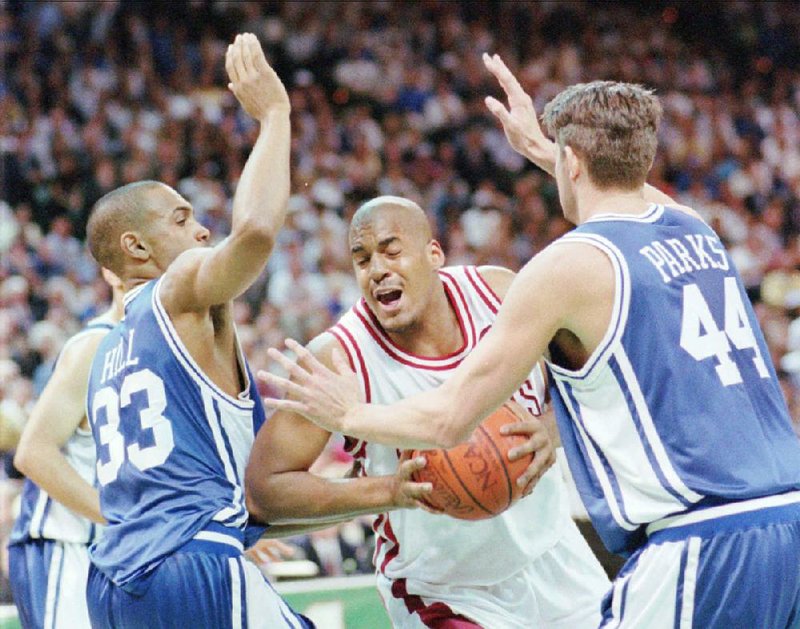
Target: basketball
475,480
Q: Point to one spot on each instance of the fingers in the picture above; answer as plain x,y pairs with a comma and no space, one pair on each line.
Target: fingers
507,80
244,58
296,372
257,58
531,476
498,109
247,42
230,64
292,406
305,359
409,466
538,442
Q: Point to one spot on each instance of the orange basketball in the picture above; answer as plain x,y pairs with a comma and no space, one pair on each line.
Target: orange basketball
475,480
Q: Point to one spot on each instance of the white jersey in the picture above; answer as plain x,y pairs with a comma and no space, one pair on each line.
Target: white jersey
438,549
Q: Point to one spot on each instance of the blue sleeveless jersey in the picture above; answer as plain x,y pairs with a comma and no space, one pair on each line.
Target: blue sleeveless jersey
679,407
41,517
171,446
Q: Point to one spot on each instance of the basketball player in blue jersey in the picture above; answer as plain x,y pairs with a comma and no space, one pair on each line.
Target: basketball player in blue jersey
669,409
171,401
59,506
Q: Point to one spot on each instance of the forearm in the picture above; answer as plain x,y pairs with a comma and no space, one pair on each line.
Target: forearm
52,472
439,418
263,189
305,498
277,531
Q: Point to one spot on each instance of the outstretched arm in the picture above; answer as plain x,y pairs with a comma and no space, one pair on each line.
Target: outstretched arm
281,490
200,278
55,417
574,289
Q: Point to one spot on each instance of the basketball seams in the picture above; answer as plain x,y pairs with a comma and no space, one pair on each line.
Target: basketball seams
463,486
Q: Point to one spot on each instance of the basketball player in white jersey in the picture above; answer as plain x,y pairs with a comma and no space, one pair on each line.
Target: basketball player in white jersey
417,320
669,410
59,505
171,401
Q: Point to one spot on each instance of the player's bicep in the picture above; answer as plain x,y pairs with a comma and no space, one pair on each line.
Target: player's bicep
288,442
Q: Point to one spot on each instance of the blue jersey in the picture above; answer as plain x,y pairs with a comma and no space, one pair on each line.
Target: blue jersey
171,445
41,517
679,407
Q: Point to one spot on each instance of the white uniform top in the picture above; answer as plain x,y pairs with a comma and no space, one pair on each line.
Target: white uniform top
437,548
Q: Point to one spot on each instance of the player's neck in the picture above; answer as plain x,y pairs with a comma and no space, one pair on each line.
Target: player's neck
436,333
592,201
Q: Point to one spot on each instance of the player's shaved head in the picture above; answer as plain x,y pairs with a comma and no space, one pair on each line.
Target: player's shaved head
121,210
410,216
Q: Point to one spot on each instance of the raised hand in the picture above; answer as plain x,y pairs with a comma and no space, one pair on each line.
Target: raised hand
254,83
539,443
520,122
315,392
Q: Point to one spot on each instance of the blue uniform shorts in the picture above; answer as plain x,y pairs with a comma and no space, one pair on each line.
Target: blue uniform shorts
735,566
203,584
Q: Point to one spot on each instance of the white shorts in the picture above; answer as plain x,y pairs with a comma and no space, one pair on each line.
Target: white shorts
561,589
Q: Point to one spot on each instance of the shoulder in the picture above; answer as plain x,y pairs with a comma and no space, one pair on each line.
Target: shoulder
180,274
686,210
82,346
498,278
570,267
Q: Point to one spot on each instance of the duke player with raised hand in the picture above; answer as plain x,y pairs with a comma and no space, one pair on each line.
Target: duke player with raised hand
417,320
59,506
171,401
673,421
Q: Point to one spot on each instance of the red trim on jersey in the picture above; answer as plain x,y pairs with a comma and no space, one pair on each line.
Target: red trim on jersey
465,306
468,340
390,537
437,615
359,355
494,302
371,324
394,355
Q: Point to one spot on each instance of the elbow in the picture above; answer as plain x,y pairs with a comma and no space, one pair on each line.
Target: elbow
257,499
259,235
23,459
254,509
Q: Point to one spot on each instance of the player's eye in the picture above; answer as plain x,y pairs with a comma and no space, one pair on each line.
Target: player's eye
362,262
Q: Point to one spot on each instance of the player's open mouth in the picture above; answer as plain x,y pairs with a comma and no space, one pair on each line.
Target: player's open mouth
389,299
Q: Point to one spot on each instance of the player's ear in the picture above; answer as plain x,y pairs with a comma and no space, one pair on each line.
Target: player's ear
436,254
133,246
573,163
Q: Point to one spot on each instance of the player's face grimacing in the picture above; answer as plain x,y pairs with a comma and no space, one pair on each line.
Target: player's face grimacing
395,266
172,227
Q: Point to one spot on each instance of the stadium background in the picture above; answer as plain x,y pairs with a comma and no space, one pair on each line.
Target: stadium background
387,99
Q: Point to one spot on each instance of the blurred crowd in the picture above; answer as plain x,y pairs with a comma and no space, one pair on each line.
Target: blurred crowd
387,98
